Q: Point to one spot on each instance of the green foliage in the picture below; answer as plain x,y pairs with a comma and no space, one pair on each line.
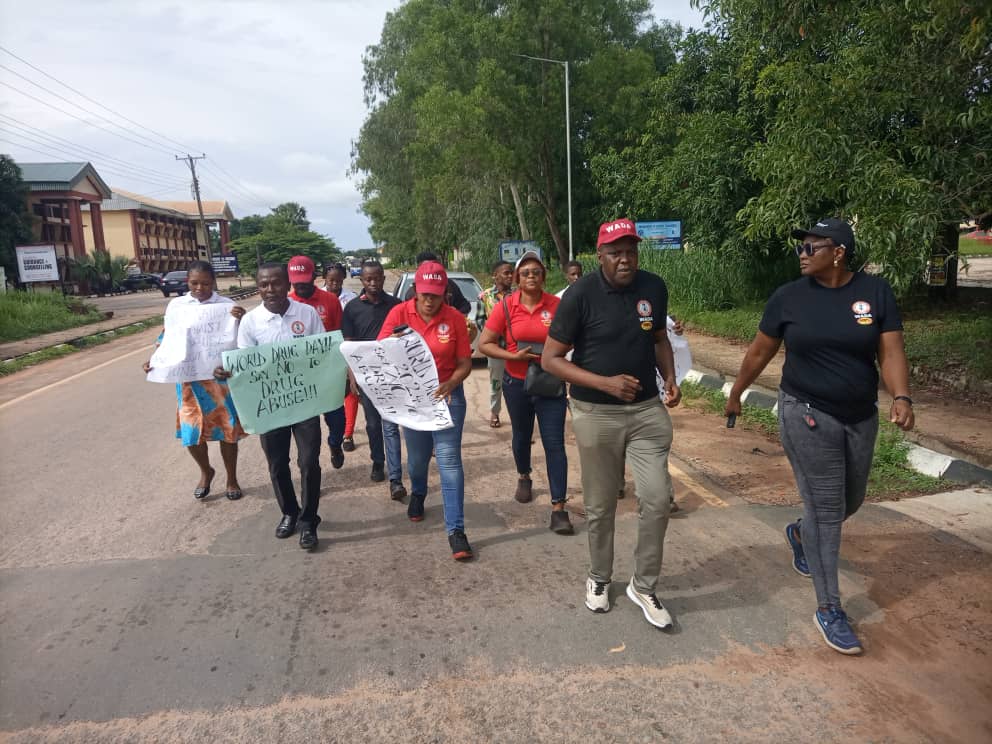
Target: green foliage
15,222
97,272
278,237
26,314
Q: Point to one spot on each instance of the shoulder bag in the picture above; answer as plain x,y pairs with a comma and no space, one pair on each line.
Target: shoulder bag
537,381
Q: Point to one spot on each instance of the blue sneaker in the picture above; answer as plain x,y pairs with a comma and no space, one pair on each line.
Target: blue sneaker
836,631
792,534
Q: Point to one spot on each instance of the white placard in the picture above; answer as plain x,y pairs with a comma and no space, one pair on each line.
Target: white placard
37,263
683,358
399,376
195,336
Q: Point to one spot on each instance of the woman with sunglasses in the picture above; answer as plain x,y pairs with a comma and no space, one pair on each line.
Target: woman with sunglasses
835,323
523,319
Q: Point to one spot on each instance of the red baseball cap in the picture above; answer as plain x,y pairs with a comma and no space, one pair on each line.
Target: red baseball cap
610,232
431,278
300,269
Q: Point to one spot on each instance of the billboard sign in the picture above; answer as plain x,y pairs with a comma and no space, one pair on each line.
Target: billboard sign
511,250
225,264
37,263
661,235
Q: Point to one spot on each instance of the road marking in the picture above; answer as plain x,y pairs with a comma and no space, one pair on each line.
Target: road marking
708,496
142,350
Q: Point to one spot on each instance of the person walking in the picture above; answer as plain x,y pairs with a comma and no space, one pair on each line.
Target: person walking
363,320
334,277
446,335
280,318
502,272
301,276
205,411
523,319
614,320
573,272
835,323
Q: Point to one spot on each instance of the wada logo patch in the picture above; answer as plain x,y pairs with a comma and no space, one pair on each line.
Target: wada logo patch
444,333
297,327
644,311
862,313
546,317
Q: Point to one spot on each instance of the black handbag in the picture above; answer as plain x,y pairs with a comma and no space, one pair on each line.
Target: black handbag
536,381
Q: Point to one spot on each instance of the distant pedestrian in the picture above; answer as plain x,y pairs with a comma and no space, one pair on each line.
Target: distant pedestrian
835,323
614,321
363,320
502,272
334,277
279,318
206,410
573,272
523,320
443,329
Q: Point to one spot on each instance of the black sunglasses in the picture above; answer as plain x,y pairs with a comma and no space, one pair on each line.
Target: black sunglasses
808,248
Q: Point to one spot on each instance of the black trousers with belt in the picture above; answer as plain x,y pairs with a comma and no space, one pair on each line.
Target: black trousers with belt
275,445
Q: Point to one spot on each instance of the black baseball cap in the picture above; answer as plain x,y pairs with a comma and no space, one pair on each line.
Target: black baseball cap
838,231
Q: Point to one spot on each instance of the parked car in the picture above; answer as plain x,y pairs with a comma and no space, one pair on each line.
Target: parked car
134,282
469,286
356,271
175,281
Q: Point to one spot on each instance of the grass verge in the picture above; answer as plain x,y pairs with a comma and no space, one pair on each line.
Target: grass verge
55,352
974,247
24,314
890,477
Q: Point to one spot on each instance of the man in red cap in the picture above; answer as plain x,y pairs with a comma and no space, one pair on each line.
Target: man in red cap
614,320
301,275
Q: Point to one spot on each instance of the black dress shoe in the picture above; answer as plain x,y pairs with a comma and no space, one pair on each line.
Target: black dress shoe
348,444
308,536
287,526
378,472
337,457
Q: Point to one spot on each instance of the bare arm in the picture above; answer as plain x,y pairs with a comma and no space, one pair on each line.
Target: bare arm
758,354
665,359
895,374
624,387
463,366
489,345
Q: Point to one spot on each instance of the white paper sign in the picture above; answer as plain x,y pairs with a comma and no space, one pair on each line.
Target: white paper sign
195,336
399,376
37,263
683,358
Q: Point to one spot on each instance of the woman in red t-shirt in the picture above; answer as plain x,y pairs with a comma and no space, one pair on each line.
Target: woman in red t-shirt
523,320
446,333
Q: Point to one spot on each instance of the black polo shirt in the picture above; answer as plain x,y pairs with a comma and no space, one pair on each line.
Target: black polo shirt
612,330
362,319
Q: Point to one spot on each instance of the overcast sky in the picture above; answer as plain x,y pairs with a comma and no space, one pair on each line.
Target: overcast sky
270,91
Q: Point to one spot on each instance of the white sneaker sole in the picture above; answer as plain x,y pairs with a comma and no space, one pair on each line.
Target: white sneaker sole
632,596
600,610
846,651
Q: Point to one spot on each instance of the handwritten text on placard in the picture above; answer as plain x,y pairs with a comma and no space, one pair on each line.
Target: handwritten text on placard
194,339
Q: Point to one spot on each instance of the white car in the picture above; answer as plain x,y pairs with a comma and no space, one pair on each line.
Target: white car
469,286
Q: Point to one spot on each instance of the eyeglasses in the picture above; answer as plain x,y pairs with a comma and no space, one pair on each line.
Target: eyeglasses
531,272
809,248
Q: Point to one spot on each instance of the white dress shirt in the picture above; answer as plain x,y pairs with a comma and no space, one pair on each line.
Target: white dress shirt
259,326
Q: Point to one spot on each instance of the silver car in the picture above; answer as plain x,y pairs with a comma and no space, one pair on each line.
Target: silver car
469,286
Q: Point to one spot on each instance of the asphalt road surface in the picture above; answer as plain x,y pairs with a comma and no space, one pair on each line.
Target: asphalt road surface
131,612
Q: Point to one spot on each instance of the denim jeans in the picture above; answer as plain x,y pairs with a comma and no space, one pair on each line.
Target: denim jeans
378,429
550,414
447,446
335,426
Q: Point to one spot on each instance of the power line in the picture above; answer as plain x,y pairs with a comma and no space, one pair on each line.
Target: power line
245,189
238,192
86,97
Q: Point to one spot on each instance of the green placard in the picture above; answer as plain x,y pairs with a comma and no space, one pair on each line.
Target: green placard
287,382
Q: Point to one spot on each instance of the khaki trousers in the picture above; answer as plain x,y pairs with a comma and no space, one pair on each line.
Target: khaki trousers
607,435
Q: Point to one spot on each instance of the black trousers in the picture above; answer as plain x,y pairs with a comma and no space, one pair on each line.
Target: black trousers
275,445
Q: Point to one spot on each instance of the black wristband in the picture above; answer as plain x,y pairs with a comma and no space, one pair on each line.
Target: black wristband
905,398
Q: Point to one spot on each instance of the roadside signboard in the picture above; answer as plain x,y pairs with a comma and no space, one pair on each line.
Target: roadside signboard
37,263
225,264
511,250
661,235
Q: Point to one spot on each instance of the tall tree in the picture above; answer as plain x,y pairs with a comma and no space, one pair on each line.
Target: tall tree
15,222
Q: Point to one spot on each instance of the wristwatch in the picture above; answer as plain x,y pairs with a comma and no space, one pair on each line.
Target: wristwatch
905,398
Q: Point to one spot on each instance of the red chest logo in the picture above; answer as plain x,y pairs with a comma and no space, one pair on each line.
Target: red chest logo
297,327
443,333
546,317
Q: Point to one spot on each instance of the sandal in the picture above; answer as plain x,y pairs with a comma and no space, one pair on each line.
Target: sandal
494,422
234,494
201,492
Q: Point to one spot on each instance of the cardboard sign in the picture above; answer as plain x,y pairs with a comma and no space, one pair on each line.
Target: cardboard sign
194,339
399,376
286,382
37,263
683,358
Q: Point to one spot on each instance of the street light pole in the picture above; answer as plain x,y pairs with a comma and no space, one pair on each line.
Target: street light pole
568,143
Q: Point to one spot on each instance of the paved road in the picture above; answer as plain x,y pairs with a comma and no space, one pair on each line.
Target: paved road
132,613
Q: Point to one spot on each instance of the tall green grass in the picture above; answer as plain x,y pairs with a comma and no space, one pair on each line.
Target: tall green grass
24,314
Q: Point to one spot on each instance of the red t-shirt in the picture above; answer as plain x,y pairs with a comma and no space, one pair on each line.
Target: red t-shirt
528,326
446,335
327,305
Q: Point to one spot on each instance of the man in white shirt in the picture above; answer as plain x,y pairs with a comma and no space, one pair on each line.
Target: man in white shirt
279,318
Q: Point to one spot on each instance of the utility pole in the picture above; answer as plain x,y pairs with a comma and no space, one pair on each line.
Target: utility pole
191,161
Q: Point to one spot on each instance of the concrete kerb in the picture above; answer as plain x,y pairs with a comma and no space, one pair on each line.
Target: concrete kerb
920,459
80,341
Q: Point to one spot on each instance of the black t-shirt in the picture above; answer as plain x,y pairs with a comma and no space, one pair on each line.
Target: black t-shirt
612,330
831,341
453,297
362,320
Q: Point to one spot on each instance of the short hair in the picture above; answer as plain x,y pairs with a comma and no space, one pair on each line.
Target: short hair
573,264
497,264
204,266
427,256
274,266
371,263
336,266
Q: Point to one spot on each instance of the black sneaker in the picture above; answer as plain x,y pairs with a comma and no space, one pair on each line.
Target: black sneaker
337,457
415,509
561,524
396,491
460,549
348,445
378,472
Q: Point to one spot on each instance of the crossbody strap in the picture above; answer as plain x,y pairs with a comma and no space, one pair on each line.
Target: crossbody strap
509,325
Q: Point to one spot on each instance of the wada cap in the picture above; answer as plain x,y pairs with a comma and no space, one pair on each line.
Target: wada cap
838,231
300,269
610,232
431,278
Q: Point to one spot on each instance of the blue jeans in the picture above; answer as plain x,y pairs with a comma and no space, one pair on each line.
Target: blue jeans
378,429
335,426
550,414
447,446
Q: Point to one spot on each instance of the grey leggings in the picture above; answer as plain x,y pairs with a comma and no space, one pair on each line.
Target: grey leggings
831,463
